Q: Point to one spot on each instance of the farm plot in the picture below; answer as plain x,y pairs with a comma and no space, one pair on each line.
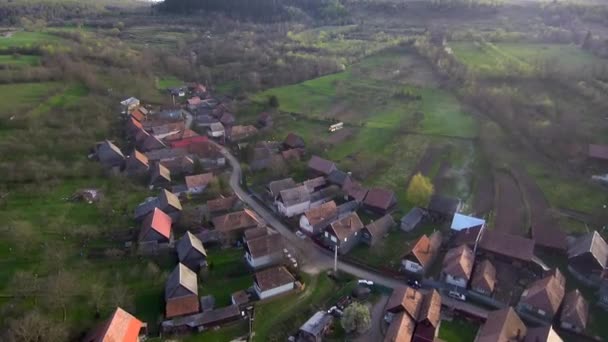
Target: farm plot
22,39
511,213
17,98
15,61
503,58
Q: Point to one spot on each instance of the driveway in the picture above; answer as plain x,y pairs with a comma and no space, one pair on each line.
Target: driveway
375,332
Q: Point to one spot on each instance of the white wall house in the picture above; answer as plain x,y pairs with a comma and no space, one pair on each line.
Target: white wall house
274,291
292,210
305,224
456,281
412,266
264,260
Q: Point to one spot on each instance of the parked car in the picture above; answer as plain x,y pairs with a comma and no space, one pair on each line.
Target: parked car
366,282
457,295
414,284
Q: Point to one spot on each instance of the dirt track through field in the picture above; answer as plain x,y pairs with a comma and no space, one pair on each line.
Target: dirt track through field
484,195
510,208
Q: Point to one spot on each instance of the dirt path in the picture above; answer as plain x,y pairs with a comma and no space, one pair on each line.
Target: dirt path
484,195
509,205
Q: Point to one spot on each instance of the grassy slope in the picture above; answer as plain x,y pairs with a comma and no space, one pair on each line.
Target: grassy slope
21,61
15,98
27,39
491,59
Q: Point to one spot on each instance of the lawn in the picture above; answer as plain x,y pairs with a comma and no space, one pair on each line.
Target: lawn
22,39
163,83
63,99
19,60
227,274
457,330
224,334
500,58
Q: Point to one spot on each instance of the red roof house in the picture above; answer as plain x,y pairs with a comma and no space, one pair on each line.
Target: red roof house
121,327
156,227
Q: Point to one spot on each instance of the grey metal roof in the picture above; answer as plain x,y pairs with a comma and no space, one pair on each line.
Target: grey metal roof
317,323
181,276
295,196
188,242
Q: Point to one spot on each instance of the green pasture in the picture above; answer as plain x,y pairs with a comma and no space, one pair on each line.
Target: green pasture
23,39
504,58
19,60
16,98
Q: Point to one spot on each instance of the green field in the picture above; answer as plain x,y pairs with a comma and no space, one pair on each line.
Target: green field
228,273
22,39
501,58
19,60
14,98
457,330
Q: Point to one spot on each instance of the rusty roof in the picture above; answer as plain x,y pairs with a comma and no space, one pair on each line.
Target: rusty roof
294,141
546,293
484,277
265,245
430,308
157,221
234,221
575,310
401,329
347,226
507,245
502,326
120,327
321,213
221,204
277,186
380,198
321,165
381,226
458,262
271,278
199,180
418,305
425,249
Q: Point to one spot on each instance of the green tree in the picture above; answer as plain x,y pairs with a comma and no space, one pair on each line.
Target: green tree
273,101
420,190
356,318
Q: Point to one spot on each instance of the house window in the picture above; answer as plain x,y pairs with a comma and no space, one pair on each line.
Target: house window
333,238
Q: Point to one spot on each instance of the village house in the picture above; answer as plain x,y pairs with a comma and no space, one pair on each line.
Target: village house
339,178
442,208
205,120
181,292
191,252
194,102
275,187
458,266
231,226
151,143
587,258
255,233
216,130
179,166
542,334
315,328
547,234
543,297
206,320
484,278
134,128
208,154
198,183
156,229
138,114
380,201
376,230
264,251
262,158
273,281
138,136
129,104
166,201
137,164
315,184
167,154
355,191
121,326
422,309
344,233
160,176
575,312
319,167
293,141
265,120
240,298
462,222
185,134
221,205
315,220
240,132
412,219
227,119
422,254
295,201
502,326
291,155
516,250
468,236
109,155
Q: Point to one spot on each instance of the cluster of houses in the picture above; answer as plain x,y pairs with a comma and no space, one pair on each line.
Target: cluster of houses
165,151
327,204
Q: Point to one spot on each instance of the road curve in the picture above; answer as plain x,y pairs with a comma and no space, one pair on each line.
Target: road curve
312,255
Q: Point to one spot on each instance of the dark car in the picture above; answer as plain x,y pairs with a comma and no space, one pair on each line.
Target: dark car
414,284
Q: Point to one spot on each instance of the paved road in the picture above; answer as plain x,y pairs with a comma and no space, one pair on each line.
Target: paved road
314,259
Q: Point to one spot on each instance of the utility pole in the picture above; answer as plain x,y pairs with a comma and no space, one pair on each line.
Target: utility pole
336,258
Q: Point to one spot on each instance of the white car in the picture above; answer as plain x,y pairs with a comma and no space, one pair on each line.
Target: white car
300,235
366,282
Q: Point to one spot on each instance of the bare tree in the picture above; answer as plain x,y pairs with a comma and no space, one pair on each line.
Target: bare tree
34,327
